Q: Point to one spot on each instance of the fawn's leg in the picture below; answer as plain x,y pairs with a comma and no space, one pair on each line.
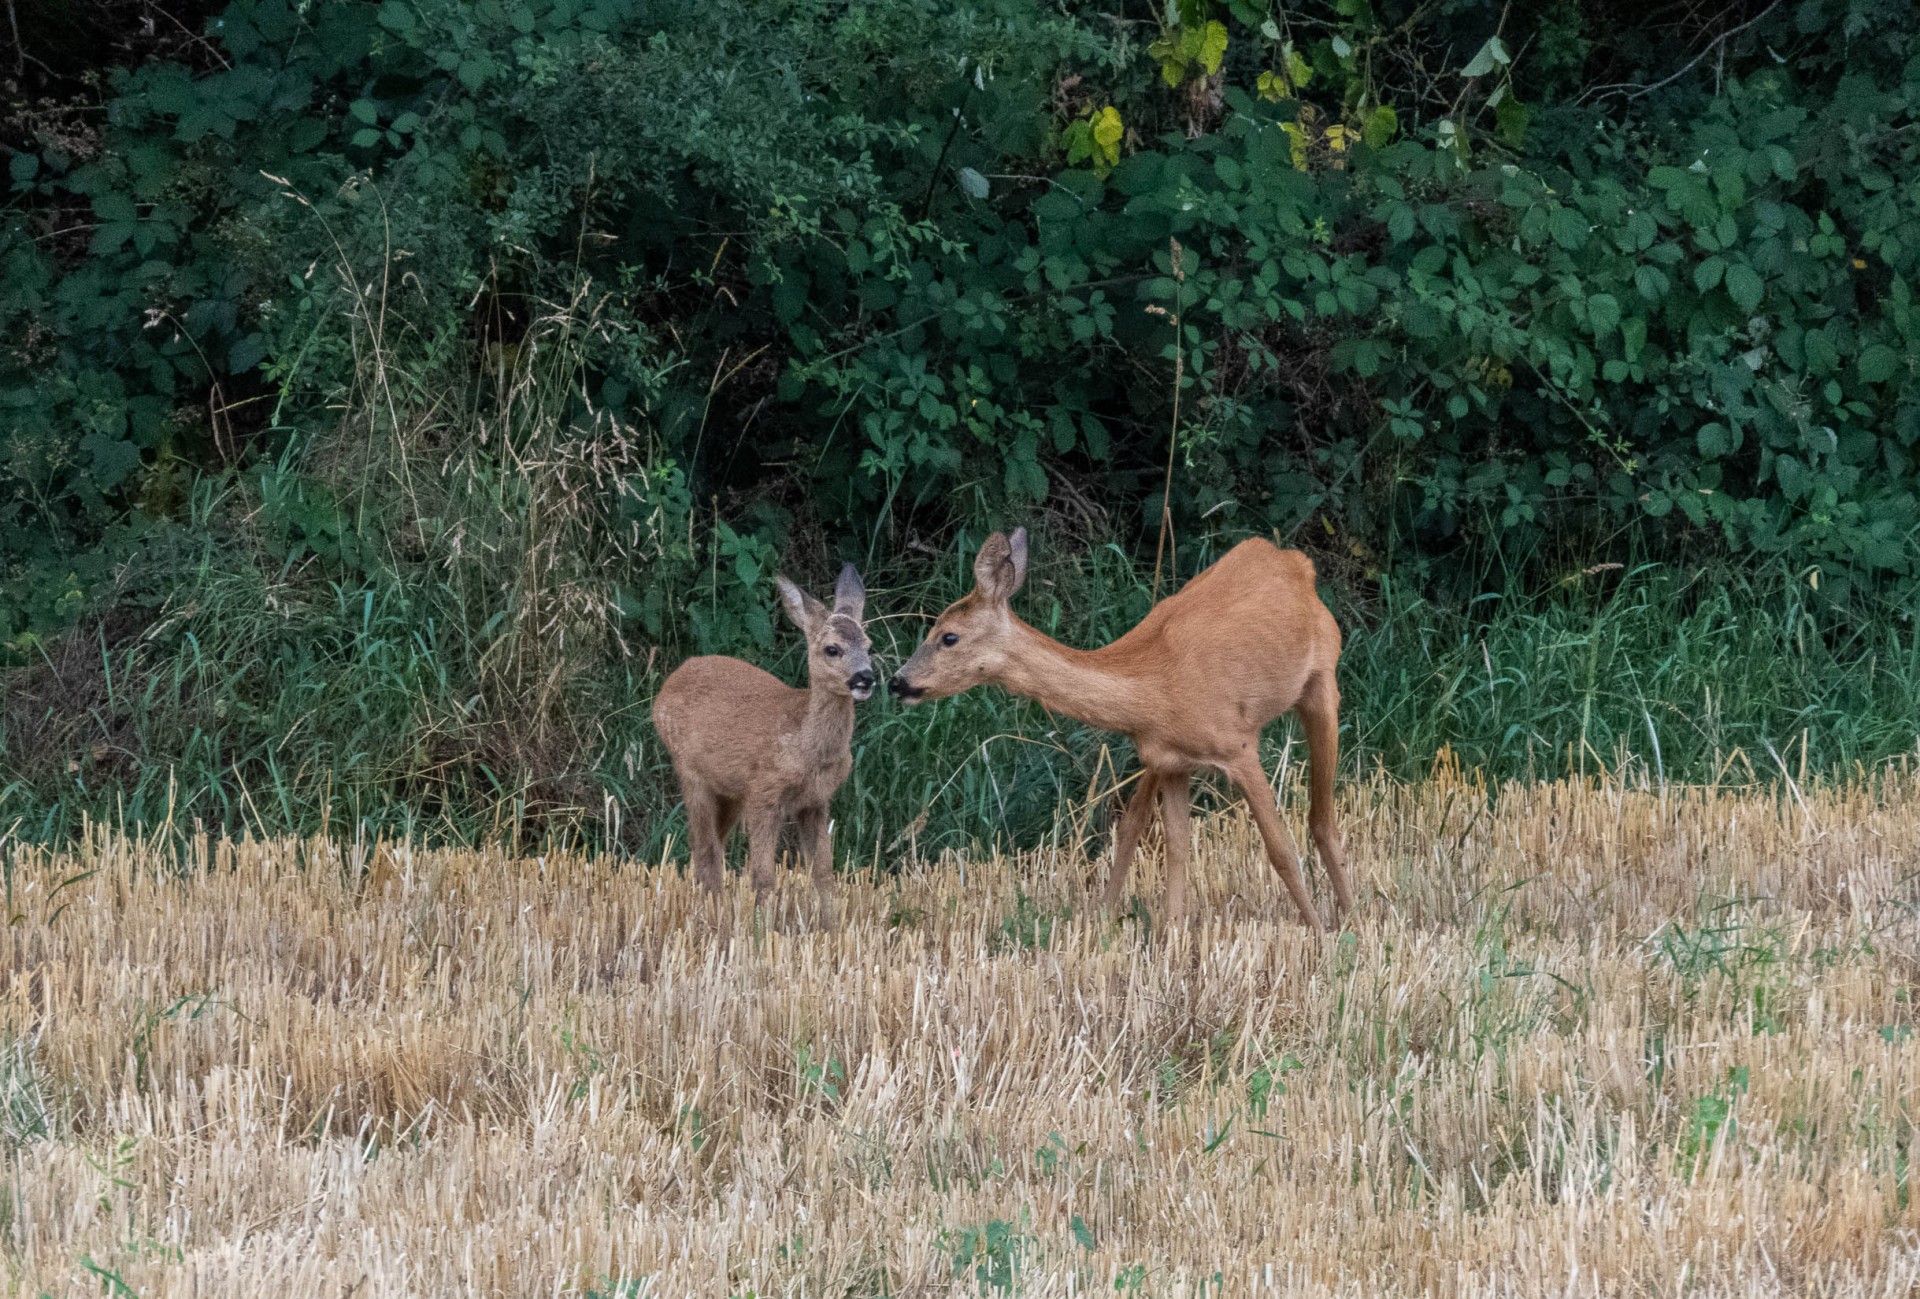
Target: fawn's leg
1126,836
763,845
707,847
816,841
1175,798
1319,711
1252,779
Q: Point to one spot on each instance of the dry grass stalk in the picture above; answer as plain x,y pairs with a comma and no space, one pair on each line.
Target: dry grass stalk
1583,1040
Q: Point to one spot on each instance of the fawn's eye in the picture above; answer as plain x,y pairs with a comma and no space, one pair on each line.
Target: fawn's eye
833,651
949,640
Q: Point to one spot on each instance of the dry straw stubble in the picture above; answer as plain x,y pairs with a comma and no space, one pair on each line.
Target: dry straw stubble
1582,1039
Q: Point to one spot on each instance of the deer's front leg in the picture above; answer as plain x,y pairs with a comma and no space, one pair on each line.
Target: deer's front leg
816,839
763,845
1126,836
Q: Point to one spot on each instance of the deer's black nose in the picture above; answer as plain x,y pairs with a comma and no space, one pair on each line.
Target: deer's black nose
861,680
902,690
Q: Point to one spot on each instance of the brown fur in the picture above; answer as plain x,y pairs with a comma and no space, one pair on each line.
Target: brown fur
747,745
1193,685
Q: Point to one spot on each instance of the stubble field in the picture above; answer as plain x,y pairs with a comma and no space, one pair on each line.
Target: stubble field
1578,1039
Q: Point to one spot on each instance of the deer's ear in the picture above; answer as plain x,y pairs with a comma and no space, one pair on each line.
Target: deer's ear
1001,566
850,593
805,611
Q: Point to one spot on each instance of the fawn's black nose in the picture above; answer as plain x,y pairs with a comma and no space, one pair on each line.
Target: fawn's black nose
861,681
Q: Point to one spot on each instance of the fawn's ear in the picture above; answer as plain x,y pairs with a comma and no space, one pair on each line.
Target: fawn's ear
1000,568
807,613
850,594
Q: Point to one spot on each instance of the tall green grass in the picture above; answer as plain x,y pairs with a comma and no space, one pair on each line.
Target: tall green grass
278,701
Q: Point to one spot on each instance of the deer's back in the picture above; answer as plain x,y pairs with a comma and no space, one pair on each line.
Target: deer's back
1244,636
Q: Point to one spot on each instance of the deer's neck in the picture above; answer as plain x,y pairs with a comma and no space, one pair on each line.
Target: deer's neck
1088,685
828,724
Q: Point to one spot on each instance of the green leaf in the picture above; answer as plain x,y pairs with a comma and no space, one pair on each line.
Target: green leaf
973,183
1713,440
1568,228
364,110
23,166
1603,313
1633,336
114,206
1400,223
366,137
1213,47
1381,125
1745,286
1706,276
1511,119
1651,282
1493,54
1877,363
398,16
1299,71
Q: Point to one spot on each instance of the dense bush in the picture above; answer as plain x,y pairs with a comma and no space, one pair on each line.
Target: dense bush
542,327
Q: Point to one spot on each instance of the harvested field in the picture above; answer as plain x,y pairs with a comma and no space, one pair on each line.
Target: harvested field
1579,1039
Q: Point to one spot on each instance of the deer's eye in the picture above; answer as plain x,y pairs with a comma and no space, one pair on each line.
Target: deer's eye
949,640
832,651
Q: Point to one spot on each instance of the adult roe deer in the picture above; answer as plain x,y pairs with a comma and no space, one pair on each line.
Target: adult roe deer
744,743
1193,685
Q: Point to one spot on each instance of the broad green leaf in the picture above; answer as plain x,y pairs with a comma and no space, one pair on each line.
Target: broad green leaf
973,183
1603,313
114,206
1299,71
364,110
1568,228
1713,440
1400,223
1213,47
398,16
1878,363
1633,336
1745,286
1380,127
1706,276
1108,130
1511,119
1492,55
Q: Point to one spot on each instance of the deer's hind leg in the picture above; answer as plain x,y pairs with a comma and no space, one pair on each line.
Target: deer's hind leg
1252,779
1126,836
1176,798
1319,710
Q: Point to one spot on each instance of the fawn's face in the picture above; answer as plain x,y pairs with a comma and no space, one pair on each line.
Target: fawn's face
838,654
967,644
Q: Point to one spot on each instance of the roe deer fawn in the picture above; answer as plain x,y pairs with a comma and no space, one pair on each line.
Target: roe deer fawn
744,743
1192,685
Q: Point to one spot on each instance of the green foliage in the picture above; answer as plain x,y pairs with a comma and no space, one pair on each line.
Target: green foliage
991,1254
421,378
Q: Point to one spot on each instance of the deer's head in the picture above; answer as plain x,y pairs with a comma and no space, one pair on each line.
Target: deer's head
968,642
838,656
